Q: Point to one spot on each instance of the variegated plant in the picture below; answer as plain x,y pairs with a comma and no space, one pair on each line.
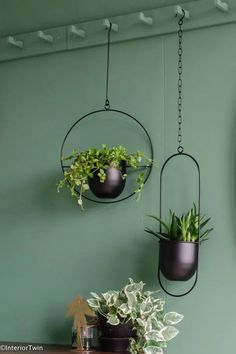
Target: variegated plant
154,327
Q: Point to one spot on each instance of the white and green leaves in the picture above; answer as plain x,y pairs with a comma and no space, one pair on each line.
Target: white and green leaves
172,318
154,328
113,319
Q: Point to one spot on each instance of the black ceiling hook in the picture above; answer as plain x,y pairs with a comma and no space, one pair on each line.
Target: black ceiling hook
181,20
110,27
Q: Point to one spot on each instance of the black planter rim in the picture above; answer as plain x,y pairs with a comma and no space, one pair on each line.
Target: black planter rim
176,241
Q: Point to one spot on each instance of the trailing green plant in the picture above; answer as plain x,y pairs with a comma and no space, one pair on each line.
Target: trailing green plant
85,164
182,228
153,326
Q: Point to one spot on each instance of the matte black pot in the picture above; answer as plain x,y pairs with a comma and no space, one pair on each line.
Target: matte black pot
113,185
178,260
122,330
114,344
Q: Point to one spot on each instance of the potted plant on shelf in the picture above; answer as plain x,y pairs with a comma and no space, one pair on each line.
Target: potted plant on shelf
101,170
178,253
133,319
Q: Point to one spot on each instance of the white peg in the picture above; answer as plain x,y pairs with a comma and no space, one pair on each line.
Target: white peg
179,12
106,24
222,5
144,19
16,43
45,37
77,32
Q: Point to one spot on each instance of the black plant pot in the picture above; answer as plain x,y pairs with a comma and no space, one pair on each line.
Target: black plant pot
114,344
113,185
115,338
178,260
122,330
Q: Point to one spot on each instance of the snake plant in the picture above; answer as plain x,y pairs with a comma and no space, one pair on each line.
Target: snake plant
182,228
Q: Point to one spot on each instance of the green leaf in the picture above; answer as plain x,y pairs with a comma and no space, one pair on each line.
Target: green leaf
154,335
153,350
157,234
161,222
113,320
172,318
204,223
169,332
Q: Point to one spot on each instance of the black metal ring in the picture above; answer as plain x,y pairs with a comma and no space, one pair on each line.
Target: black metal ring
199,211
116,111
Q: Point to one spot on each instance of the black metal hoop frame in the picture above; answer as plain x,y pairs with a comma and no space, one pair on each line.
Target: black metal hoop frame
199,209
124,114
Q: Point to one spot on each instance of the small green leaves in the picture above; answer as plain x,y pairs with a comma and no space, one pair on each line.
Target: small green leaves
85,164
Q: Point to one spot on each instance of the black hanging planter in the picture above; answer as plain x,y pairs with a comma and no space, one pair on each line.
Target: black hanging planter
178,260
113,185
115,338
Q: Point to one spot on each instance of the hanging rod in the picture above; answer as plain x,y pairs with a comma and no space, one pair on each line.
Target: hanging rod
155,22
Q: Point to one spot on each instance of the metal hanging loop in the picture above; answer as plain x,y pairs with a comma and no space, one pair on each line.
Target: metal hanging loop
199,213
107,102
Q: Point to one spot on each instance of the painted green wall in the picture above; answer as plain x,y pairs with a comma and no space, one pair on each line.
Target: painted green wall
50,250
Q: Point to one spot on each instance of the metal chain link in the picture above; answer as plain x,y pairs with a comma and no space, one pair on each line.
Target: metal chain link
180,148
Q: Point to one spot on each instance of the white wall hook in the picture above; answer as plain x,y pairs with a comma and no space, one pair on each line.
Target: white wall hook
45,37
222,5
106,24
144,19
77,32
179,12
16,43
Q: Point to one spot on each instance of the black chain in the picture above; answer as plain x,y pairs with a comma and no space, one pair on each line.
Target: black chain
107,102
180,148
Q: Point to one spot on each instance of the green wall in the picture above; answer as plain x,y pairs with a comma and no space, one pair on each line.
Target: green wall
50,250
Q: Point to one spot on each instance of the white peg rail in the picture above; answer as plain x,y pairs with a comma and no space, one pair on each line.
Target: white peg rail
160,21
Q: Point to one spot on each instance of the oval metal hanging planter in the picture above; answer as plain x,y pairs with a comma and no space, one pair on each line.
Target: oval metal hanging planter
178,260
113,185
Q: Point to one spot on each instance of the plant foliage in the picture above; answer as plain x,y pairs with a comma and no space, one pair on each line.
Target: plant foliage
84,164
154,327
182,228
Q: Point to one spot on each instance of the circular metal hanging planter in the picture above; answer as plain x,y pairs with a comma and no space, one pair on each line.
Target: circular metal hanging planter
114,184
